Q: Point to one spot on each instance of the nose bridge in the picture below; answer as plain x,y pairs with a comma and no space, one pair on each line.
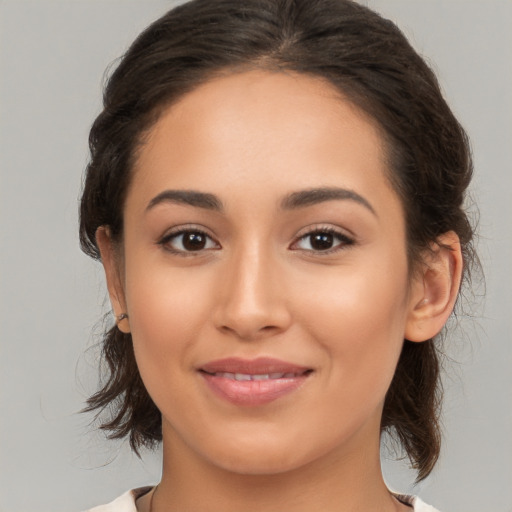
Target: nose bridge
251,301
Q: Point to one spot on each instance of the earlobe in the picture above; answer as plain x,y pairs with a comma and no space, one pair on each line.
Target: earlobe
435,289
111,265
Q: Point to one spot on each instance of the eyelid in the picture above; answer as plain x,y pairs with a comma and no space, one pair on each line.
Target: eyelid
325,226
186,228
347,238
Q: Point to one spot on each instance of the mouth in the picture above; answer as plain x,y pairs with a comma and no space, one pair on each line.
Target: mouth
253,382
258,376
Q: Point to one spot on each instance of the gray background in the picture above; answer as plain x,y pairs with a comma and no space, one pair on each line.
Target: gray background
52,58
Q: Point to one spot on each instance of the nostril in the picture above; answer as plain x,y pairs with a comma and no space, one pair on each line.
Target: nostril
269,329
248,332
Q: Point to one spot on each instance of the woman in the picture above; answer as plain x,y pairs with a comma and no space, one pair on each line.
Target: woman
275,191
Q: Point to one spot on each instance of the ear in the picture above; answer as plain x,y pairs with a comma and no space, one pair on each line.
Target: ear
112,266
435,288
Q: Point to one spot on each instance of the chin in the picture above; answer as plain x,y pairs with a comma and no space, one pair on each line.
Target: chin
260,465
262,456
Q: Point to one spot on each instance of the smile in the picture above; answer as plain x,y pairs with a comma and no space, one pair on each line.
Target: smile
253,382
261,376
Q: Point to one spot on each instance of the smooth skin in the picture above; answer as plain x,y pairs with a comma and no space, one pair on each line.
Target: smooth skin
267,267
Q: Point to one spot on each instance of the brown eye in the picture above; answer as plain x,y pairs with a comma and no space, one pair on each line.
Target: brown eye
323,241
188,241
194,241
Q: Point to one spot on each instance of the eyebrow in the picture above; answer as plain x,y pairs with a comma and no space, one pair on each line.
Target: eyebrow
314,196
190,197
295,200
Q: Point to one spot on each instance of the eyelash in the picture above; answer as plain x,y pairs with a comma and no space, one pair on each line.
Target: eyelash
168,237
344,240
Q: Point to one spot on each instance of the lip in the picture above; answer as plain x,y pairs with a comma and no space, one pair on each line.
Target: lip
252,382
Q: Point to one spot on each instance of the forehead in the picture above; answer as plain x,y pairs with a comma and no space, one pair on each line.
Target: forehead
265,130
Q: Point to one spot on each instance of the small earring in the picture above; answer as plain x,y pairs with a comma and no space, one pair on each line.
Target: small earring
121,317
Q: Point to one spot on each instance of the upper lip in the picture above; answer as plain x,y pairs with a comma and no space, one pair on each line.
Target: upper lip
258,366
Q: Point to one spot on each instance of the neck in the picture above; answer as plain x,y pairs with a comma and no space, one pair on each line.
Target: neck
351,482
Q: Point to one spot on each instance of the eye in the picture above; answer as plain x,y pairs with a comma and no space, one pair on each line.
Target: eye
323,240
188,241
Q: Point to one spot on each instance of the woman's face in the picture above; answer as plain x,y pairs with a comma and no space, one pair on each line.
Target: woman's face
265,273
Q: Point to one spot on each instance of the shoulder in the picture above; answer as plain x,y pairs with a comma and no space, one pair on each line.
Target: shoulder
420,506
125,502
416,503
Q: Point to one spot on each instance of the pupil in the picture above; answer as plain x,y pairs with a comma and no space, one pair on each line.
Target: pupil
322,241
194,241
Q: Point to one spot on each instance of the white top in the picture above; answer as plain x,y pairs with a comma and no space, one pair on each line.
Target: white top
126,502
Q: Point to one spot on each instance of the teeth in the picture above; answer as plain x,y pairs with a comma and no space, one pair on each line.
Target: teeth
262,376
227,375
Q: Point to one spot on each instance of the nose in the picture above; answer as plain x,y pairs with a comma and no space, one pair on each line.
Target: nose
252,302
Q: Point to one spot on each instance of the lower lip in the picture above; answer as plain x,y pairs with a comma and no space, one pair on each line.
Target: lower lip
253,392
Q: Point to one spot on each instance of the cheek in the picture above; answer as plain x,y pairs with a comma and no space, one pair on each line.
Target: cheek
167,311
369,298
359,319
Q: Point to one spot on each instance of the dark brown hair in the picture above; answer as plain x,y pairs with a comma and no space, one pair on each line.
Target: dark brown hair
369,60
